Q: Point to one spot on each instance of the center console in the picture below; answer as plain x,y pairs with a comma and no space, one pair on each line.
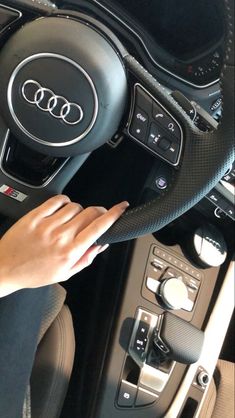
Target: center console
160,334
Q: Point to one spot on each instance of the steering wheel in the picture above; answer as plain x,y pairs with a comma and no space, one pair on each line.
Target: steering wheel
66,83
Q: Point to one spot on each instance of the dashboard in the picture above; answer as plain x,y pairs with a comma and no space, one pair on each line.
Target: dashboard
183,38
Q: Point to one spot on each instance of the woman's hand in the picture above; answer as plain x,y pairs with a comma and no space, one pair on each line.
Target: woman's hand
52,243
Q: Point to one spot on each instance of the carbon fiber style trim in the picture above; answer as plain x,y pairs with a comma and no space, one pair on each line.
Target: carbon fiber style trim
206,156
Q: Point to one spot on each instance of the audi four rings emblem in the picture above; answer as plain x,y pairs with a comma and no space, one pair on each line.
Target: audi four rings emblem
47,101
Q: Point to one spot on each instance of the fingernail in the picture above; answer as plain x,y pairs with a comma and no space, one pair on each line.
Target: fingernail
124,205
103,248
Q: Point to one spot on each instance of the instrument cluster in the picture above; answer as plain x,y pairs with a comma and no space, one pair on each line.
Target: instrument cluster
181,38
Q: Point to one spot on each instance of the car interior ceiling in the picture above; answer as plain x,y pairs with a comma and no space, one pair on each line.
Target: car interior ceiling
182,47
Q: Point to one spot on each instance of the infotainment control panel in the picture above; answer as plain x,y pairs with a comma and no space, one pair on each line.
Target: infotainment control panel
171,283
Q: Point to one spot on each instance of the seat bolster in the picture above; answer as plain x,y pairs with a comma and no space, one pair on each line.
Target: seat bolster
224,405
52,367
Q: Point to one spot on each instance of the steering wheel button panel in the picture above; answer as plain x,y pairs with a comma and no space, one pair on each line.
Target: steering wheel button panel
154,127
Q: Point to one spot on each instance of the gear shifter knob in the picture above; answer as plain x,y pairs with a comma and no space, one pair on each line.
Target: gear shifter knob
177,339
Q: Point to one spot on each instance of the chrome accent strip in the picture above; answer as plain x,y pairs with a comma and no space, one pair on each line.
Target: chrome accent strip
14,10
77,66
20,181
215,333
141,143
147,50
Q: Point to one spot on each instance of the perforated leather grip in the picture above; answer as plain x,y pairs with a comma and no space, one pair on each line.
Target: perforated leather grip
205,159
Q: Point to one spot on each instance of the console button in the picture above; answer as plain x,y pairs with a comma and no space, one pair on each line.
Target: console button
152,284
177,263
166,121
156,138
230,211
146,318
203,378
157,265
127,394
161,183
141,340
164,144
214,197
173,293
173,152
145,397
7,16
139,124
155,135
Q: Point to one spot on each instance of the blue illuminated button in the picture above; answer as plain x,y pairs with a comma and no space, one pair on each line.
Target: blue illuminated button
161,183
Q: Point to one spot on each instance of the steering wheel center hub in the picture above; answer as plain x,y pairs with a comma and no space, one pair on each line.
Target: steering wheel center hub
46,105
63,86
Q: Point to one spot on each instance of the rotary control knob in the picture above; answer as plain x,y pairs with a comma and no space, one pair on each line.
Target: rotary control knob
173,293
203,378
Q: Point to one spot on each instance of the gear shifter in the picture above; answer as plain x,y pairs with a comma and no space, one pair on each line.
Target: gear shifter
176,339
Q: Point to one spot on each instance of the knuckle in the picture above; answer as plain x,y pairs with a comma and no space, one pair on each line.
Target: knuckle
61,198
95,211
41,232
73,206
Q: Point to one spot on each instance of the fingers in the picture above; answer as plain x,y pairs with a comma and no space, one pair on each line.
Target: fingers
64,215
87,259
82,220
49,207
98,227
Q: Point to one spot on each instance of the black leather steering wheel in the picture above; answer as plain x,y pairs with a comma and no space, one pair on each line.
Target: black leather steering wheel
103,68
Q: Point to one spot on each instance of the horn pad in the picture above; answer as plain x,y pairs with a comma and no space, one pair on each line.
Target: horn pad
63,86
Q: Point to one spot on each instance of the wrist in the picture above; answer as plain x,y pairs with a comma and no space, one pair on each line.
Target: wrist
7,285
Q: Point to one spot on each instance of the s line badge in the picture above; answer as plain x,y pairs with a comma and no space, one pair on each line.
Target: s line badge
13,193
